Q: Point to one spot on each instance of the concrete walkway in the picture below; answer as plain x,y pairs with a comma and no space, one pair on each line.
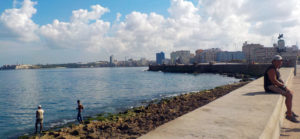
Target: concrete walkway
291,130
245,113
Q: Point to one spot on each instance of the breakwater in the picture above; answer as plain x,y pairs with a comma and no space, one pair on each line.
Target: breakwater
249,69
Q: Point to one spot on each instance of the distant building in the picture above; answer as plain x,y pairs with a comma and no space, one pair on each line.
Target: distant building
180,57
8,67
208,55
160,57
290,54
197,58
260,54
166,61
264,54
230,56
23,66
199,51
143,62
192,58
111,60
249,51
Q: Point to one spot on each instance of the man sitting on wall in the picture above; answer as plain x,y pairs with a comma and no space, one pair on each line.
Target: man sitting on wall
274,84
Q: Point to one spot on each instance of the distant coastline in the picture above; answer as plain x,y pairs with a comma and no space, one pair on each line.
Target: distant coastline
73,65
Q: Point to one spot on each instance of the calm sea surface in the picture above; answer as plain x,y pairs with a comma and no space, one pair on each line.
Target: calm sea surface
99,89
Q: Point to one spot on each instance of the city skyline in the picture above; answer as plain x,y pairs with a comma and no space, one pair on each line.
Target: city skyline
32,32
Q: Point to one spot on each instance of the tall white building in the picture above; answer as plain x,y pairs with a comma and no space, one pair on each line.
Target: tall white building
249,51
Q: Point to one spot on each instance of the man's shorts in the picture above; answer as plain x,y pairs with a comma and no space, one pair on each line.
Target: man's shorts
276,90
39,121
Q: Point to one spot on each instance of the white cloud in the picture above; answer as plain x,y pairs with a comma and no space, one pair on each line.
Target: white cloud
84,16
252,20
17,23
183,10
274,10
119,15
84,27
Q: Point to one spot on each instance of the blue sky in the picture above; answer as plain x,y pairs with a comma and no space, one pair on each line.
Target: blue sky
48,10
61,31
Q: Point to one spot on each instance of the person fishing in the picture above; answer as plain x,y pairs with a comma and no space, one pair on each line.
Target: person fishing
39,119
79,109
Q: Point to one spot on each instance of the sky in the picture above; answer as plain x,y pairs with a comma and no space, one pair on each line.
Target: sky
63,31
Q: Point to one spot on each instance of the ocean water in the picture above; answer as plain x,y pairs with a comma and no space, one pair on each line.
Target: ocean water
99,89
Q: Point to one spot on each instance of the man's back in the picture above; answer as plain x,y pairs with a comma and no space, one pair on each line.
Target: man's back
40,114
80,107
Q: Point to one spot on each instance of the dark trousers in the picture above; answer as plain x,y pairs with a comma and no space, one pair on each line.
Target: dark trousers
79,118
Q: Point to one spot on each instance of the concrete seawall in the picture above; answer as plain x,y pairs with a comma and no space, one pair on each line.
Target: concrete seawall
249,69
247,112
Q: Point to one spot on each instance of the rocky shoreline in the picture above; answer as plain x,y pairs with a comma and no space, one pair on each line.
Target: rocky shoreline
137,121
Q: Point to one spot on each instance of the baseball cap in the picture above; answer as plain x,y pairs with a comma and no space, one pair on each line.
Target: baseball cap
40,106
277,57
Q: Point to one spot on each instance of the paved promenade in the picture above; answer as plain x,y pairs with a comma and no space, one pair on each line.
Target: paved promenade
247,112
291,130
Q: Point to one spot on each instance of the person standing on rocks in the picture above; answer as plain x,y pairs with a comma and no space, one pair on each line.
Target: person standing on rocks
79,109
274,84
39,118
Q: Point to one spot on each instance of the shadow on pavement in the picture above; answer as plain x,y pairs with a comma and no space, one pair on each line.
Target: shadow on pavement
259,93
291,129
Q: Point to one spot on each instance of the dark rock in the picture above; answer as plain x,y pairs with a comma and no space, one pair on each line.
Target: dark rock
87,122
75,133
90,137
123,127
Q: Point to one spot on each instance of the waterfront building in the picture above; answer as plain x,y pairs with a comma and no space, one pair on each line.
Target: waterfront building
260,54
23,66
249,51
111,60
230,56
192,58
143,62
8,67
160,57
180,57
197,58
266,54
167,61
207,55
199,51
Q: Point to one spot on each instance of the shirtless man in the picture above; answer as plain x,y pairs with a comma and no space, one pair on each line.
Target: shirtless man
39,118
79,109
274,84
